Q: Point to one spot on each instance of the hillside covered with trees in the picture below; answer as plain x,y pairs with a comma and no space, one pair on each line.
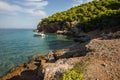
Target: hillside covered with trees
98,14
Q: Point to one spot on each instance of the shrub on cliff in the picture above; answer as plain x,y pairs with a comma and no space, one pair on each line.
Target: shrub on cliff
72,75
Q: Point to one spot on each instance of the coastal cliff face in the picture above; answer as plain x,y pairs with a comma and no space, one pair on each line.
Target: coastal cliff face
57,28
50,28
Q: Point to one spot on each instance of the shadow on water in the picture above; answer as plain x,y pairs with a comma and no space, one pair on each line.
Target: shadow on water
58,41
59,44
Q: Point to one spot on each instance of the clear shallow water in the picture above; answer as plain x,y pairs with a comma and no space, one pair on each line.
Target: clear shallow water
16,45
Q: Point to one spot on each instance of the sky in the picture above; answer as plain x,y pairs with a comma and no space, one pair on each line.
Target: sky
28,13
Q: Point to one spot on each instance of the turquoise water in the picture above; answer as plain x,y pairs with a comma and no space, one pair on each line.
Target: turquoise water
16,45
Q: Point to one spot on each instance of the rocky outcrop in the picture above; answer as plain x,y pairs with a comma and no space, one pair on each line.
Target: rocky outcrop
58,61
50,28
56,27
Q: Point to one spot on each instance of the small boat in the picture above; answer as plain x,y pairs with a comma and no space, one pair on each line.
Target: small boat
39,34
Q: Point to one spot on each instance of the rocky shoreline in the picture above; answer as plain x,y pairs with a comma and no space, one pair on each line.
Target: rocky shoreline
102,56
39,66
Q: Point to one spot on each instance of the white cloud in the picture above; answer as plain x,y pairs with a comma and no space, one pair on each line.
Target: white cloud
33,7
78,2
7,7
36,4
35,12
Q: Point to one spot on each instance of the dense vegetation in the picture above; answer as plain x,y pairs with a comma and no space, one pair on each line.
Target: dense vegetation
90,16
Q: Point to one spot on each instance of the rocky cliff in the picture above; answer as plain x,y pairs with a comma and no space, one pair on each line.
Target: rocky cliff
50,28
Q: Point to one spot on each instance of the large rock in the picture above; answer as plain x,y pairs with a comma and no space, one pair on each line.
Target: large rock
55,70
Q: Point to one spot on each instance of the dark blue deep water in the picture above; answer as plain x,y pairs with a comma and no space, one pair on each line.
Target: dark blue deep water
16,45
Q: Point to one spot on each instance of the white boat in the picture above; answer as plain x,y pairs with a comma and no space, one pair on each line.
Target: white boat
39,34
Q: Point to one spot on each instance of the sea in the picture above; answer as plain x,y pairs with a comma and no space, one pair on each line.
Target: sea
17,45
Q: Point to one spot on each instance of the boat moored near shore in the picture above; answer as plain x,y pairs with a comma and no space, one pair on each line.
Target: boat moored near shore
39,34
